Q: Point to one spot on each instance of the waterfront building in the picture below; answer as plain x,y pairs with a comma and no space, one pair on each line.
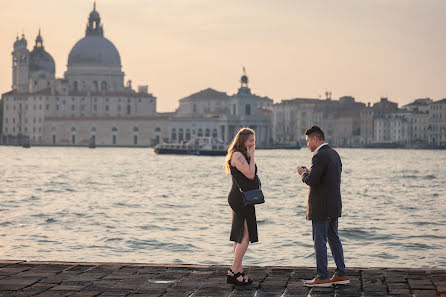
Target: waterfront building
419,121
217,114
90,105
392,128
340,119
292,117
437,124
368,128
366,125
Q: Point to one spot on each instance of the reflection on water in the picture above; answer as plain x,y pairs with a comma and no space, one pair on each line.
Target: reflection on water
130,205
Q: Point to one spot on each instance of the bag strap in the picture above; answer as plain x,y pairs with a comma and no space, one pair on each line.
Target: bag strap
240,189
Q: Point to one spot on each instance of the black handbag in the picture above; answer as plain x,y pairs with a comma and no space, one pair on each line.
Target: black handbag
251,197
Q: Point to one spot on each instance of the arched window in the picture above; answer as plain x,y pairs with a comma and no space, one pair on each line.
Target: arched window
200,132
157,129
75,86
93,129
128,109
214,133
187,134
208,132
135,129
104,86
95,86
73,129
114,129
174,134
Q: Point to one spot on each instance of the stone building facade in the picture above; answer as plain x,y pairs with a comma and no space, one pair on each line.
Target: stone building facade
213,113
340,119
90,104
437,124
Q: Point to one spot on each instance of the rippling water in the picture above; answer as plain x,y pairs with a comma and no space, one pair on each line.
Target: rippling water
130,205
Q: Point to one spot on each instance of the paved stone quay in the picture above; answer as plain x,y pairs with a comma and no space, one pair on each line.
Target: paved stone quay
31,278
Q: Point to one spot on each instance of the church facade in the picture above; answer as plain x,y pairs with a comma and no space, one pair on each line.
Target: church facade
91,105
213,113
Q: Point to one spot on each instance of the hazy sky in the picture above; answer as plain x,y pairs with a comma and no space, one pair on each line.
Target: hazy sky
290,48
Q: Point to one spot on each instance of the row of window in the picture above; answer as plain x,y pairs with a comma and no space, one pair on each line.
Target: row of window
96,86
26,120
114,129
234,109
19,130
95,108
185,134
107,99
93,139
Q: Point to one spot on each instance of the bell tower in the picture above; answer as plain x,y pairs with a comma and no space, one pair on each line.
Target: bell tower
20,65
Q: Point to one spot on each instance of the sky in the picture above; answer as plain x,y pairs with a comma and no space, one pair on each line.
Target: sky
367,49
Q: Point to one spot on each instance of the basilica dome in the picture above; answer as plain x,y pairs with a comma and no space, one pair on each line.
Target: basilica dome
94,49
41,60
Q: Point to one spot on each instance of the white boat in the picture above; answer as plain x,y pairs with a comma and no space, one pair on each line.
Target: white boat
200,146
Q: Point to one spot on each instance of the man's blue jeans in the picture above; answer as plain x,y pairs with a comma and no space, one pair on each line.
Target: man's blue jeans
323,230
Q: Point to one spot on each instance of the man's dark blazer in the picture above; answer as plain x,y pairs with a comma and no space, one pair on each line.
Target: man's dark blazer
324,200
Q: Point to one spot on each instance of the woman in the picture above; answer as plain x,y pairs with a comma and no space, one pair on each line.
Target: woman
241,164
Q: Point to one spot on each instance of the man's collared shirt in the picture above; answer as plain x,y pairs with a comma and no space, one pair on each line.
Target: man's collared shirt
314,153
318,148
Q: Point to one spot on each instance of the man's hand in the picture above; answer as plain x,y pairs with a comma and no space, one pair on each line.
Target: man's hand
301,170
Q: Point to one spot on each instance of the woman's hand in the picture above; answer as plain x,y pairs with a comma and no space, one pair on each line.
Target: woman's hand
251,151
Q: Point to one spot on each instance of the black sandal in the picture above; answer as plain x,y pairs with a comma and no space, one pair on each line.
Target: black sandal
248,280
239,283
230,278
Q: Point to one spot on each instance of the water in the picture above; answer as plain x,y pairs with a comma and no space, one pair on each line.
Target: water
130,205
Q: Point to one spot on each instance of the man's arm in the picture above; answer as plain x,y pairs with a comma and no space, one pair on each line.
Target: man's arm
317,168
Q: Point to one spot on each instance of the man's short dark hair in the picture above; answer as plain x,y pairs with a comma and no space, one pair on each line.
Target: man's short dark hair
315,131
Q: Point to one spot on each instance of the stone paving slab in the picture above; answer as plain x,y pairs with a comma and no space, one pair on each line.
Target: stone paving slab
88,279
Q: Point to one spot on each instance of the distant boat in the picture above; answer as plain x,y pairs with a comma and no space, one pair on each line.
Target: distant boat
199,146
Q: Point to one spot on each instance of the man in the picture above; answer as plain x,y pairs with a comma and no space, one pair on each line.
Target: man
324,207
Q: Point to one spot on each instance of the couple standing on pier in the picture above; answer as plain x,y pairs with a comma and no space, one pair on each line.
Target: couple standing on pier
323,206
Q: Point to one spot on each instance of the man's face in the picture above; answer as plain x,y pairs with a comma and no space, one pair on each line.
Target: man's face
311,142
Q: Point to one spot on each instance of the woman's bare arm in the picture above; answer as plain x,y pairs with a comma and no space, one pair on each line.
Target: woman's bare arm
239,161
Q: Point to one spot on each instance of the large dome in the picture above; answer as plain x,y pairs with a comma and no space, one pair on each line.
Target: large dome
94,50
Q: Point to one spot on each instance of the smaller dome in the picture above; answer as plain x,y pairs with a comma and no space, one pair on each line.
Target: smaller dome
40,60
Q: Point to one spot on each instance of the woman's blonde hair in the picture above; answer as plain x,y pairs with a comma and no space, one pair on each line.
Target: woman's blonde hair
238,144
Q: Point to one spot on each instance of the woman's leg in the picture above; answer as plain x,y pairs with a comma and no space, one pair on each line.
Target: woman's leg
240,251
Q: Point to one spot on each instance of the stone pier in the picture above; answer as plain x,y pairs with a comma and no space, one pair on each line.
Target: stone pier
33,278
